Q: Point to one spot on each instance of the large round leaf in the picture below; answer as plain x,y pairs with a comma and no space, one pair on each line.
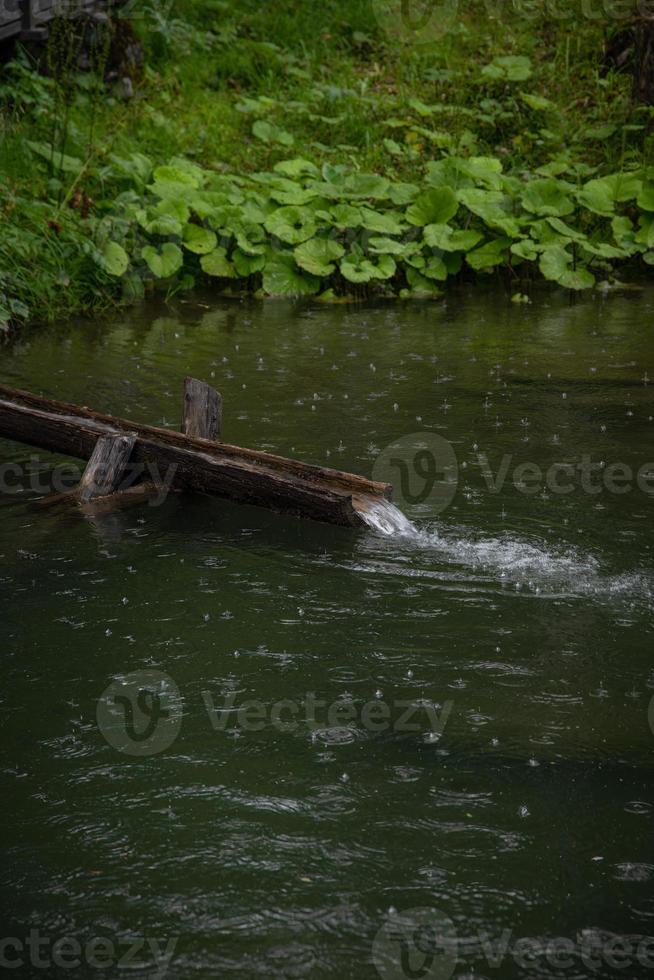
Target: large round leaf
296,167
249,237
577,279
365,185
434,268
382,222
176,175
291,224
217,264
380,245
164,263
554,262
198,240
420,285
345,216
114,259
436,206
355,267
318,255
490,206
547,197
646,197
281,277
401,193
489,255
246,265
450,239
601,194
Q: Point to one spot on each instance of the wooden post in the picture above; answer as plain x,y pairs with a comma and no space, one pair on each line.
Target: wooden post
179,462
202,412
106,466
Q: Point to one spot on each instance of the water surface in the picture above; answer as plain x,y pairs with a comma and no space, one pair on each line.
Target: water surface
517,626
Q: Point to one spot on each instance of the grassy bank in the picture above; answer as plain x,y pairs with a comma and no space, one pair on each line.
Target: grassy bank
498,141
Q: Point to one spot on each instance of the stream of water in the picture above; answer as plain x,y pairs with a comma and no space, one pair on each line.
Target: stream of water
264,747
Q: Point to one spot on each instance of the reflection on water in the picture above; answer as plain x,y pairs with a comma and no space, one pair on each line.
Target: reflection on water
479,673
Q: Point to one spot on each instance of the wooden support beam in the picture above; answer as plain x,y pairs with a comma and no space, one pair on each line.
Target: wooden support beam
178,461
202,412
106,467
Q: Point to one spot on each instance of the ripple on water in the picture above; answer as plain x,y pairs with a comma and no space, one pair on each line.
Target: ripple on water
532,568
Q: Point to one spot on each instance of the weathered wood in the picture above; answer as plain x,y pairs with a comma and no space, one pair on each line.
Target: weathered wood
132,496
172,458
106,467
202,412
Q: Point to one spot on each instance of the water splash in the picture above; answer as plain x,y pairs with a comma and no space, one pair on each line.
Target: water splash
385,518
529,565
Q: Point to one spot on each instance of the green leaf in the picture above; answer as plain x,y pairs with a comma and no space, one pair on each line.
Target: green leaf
384,224
449,239
114,259
63,162
366,185
536,102
281,277
291,224
163,224
565,230
293,195
601,194
599,132
345,216
176,208
198,240
481,170
646,197
164,263
645,233
216,263
435,206
510,68
420,285
603,249
434,268
250,237
624,234
176,175
554,262
318,255
401,193
525,249
296,167
577,279
547,197
490,207
489,255
355,267
246,265
268,133
379,245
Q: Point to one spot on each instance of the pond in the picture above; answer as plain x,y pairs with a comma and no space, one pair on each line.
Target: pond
351,753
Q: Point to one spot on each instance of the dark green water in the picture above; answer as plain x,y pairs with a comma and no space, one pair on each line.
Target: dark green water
518,626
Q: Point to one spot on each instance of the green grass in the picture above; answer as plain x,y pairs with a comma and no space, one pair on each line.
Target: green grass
238,86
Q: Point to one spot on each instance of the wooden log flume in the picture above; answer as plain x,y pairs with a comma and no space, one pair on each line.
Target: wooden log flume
190,460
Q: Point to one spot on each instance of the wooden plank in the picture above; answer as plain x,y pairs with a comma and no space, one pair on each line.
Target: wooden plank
106,467
243,475
202,412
